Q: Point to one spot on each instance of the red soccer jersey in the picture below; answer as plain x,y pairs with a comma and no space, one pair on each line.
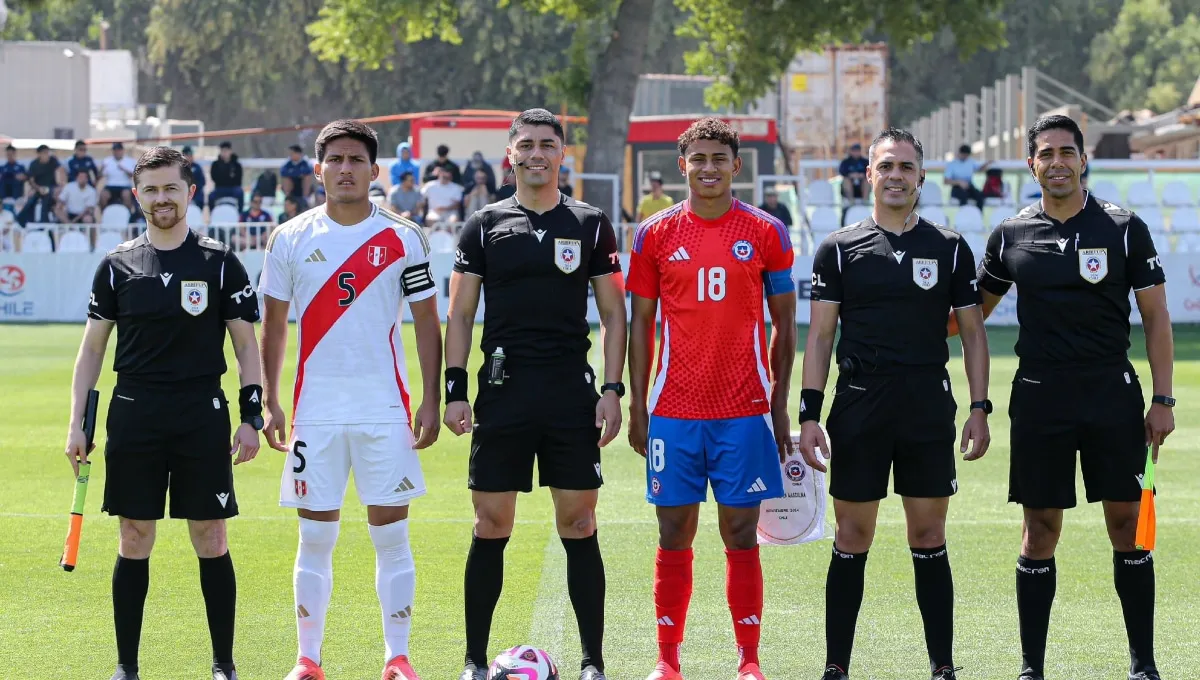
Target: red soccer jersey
711,276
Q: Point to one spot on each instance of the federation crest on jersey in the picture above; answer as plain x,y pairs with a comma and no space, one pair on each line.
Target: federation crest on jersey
925,272
743,251
193,297
376,255
567,253
301,488
1093,264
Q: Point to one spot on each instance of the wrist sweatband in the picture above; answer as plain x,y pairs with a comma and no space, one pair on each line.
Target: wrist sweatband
456,385
810,405
250,401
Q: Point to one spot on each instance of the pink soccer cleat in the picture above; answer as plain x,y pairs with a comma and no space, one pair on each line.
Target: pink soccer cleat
306,669
399,669
663,671
750,672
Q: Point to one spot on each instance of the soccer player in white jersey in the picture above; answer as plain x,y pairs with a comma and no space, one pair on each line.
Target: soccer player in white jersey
347,266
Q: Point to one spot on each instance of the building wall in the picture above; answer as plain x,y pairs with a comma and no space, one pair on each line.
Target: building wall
46,86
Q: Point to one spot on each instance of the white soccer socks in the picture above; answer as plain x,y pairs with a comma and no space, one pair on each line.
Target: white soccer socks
312,583
396,584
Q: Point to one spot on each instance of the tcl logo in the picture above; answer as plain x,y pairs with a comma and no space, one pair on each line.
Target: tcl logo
12,279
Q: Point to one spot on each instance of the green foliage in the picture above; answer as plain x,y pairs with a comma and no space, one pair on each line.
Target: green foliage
1150,58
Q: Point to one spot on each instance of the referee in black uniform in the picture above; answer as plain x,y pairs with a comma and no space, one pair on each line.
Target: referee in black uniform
534,255
891,279
171,294
1074,258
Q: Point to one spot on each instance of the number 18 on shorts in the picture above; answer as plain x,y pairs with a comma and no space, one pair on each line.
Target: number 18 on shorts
737,456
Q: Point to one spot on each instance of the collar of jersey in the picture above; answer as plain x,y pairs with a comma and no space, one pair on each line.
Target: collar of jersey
716,220
1087,202
562,198
350,227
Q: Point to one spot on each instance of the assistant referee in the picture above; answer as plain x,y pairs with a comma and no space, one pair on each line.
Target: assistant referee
171,294
1075,259
533,256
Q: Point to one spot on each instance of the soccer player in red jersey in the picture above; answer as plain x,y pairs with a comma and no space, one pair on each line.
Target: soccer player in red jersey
717,413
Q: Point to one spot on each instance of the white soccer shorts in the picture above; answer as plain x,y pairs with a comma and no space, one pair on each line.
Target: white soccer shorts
387,470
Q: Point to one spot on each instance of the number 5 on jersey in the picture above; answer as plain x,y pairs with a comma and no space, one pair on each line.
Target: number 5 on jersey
346,283
711,281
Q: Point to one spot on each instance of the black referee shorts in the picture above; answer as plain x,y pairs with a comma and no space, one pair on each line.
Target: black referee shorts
161,439
899,424
1097,412
547,413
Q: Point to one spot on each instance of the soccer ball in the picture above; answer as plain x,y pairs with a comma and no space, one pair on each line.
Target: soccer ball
523,663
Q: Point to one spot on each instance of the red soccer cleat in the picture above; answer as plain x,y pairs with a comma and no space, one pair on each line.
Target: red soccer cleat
306,669
663,671
750,672
399,669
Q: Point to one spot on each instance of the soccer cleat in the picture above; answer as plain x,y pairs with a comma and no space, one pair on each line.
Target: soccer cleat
472,672
750,671
592,673
224,671
1030,675
306,669
834,673
399,669
663,671
1148,674
946,673
122,674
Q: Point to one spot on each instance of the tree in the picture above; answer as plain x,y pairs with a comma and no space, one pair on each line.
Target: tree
745,44
1150,57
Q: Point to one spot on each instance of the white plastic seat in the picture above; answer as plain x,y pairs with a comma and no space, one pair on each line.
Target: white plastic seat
195,215
1176,195
933,214
224,214
824,219
968,219
931,194
856,213
820,193
115,215
37,242
1184,243
1153,218
1185,220
1106,191
74,242
1141,195
107,240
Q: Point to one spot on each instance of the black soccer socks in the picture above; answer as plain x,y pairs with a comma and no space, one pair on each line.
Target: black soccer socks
585,583
1036,583
843,599
219,586
1133,575
483,582
935,599
131,580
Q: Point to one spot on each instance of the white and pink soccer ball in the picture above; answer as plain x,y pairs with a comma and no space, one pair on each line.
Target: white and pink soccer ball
523,663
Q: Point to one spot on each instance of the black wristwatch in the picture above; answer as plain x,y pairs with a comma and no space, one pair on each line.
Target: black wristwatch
1169,402
986,405
256,422
617,387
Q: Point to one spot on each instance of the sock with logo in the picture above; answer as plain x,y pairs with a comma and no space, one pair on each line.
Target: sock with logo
312,583
935,599
585,583
218,583
744,592
844,587
483,582
1133,575
131,581
1036,582
672,594
395,584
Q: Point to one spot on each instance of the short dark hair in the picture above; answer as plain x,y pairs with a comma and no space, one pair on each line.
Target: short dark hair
10,147
42,147
226,145
537,117
79,143
965,148
895,136
405,175
296,148
294,200
163,157
1052,123
443,150
711,128
353,129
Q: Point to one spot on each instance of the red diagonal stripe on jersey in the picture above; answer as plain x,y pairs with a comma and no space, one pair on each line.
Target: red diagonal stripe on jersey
324,310
396,368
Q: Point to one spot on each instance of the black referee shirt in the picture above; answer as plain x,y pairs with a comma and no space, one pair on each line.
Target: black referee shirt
536,270
894,291
170,307
1073,280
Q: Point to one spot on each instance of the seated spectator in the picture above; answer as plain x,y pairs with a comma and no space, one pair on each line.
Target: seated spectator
655,201
443,198
117,173
12,179
267,185
226,174
853,170
376,193
197,177
296,175
959,175
564,181
45,175
474,165
479,196
404,163
291,209
405,199
80,161
443,161
993,184
773,207
78,200
250,235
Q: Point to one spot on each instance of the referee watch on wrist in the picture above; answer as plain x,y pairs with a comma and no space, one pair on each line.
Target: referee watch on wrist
986,405
617,387
1169,402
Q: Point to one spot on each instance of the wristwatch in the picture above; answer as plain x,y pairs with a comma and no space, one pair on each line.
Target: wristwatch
1169,402
256,422
986,405
617,387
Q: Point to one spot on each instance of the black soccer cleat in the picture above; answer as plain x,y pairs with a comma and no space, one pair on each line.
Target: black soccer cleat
473,672
1030,675
592,673
122,674
835,673
946,673
1148,674
224,671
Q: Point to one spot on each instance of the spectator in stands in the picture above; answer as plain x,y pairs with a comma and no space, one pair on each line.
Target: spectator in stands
508,188
474,165
226,174
564,181
853,170
46,175
656,200
443,197
993,184
12,179
405,199
296,174
78,200
267,185
442,161
478,197
403,164
772,206
250,235
377,194
958,174
82,162
291,209
197,177
117,173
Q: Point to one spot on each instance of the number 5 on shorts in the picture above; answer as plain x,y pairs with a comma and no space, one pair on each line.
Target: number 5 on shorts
301,463
658,455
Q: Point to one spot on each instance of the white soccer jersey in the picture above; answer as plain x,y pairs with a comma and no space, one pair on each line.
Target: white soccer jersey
347,284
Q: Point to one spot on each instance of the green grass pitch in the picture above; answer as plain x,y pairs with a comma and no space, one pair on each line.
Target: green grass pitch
57,625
